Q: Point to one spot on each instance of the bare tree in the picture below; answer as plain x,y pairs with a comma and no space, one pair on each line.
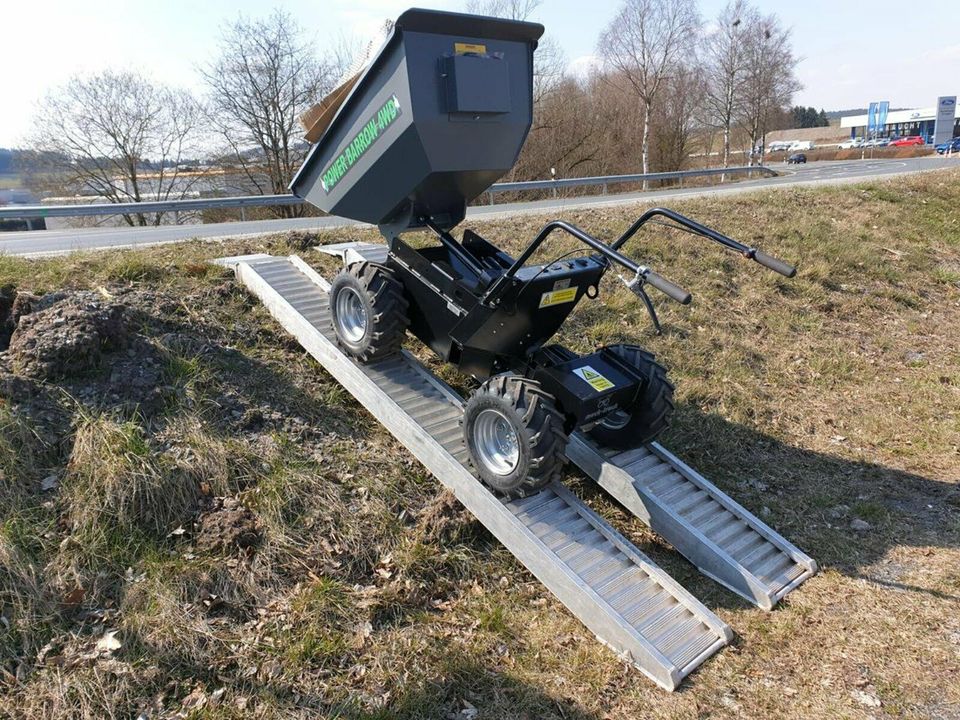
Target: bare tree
644,43
725,62
678,116
770,81
565,136
265,76
510,9
121,137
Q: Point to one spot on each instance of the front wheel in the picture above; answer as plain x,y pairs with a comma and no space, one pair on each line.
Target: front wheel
651,411
368,311
514,435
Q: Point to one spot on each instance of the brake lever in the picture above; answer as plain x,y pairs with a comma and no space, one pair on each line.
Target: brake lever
636,287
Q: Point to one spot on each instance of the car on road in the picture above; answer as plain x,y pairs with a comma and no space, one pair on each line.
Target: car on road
12,198
797,159
907,141
951,146
851,144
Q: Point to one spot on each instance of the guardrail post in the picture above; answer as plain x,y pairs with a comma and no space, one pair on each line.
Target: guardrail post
176,217
243,213
489,197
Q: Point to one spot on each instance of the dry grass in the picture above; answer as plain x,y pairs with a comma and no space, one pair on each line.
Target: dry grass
812,401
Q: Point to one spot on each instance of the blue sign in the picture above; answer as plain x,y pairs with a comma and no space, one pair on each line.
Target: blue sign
872,118
883,107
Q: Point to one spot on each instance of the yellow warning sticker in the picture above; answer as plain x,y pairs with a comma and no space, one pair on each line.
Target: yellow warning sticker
558,297
593,378
461,48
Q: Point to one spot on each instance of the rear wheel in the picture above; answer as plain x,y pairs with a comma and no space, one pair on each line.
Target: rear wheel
514,435
368,311
651,411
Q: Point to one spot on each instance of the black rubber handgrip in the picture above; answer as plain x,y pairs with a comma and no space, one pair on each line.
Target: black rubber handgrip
667,288
774,264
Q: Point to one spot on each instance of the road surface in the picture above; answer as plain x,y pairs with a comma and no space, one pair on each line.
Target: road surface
59,242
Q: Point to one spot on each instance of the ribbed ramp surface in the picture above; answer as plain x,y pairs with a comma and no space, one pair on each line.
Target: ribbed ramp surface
716,534
620,594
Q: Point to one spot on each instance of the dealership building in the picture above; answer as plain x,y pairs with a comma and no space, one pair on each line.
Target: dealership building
902,123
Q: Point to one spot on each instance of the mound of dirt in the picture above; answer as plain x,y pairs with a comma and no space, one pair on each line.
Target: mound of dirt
56,337
228,527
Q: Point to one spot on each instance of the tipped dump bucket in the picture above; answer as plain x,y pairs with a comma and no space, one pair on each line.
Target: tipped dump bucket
439,115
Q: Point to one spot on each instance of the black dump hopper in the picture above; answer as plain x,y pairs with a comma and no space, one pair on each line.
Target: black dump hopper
439,115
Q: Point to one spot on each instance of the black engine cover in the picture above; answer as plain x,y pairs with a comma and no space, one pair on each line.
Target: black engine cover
586,388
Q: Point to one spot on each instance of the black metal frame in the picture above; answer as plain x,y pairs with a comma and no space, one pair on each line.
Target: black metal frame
471,304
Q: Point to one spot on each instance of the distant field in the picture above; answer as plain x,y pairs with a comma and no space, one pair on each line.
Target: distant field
262,548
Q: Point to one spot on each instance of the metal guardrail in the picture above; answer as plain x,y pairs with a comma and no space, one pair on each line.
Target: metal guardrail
150,206
605,180
183,206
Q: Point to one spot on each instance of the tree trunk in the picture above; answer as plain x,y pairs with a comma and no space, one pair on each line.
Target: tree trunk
726,145
727,120
645,144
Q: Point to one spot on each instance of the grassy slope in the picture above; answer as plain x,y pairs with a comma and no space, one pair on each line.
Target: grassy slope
812,401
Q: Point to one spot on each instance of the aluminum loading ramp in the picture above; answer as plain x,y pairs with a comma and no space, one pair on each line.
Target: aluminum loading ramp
721,538
628,602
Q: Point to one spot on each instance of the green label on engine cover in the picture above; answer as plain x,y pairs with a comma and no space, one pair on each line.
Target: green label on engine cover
373,129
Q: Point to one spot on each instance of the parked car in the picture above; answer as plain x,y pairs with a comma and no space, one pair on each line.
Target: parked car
877,142
952,146
905,141
797,158
798,145
851,144
15,197
779,146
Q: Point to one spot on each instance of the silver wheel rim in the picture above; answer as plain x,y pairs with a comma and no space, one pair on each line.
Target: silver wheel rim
351,315
496,442
615,420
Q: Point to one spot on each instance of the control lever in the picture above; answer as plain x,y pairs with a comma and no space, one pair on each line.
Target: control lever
646,275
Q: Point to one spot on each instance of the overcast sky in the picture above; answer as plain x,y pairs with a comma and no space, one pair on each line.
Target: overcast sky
852,53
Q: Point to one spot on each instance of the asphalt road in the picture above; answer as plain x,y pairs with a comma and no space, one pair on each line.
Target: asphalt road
59,242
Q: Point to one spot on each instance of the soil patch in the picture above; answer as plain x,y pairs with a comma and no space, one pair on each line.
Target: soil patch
68,338
229,527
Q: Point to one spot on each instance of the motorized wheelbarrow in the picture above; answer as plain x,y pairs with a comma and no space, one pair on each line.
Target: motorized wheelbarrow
438,116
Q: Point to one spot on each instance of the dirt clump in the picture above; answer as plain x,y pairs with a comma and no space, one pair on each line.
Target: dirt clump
68,337
228,527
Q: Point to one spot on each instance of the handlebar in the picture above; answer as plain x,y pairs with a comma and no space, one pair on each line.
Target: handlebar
768,261
607,252
611,254
646,275
671,290
775,264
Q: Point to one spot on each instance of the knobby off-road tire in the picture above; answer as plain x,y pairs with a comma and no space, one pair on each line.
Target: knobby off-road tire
651,411
368,311
514,436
